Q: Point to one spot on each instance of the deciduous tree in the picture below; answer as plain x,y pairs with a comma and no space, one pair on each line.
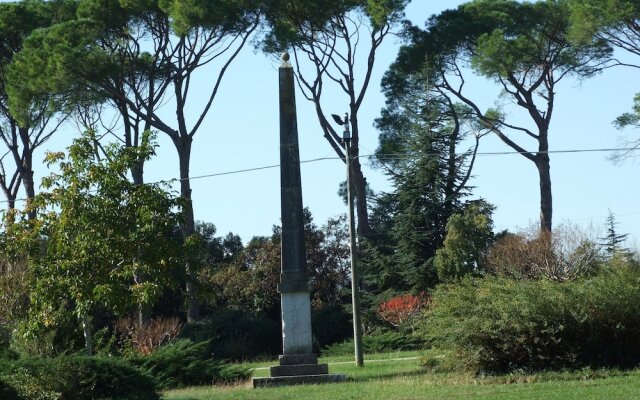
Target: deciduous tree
616,22
100,231
143,54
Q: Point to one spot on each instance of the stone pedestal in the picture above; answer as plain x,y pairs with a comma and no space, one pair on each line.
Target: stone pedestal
298,369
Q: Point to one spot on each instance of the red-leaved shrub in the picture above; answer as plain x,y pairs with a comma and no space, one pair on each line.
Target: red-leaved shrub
402,310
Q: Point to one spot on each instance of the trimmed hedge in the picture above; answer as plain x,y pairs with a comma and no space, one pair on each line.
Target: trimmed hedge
77,378
500,325
185,363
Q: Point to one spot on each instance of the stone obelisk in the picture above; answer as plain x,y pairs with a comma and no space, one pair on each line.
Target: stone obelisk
298,364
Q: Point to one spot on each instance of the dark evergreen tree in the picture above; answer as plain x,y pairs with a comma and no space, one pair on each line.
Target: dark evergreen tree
421,133
612,242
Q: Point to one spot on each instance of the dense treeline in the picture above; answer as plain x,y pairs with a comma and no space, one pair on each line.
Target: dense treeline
103,262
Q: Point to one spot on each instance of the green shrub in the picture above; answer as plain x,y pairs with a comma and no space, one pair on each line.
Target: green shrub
77,378
379,343
184,363
5,341
499,324
36,340
237,335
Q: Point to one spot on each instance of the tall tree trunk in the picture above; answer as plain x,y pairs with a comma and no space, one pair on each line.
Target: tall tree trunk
360,185
360,182
144,313
29,188
88,338
188,226
26,170
546,200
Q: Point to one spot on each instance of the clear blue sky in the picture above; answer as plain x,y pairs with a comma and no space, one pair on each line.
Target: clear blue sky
241,132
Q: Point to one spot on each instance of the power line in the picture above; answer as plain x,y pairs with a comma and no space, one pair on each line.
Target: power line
504,153
393,157
385,157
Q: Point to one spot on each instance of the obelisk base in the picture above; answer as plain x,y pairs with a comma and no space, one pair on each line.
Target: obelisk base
298,369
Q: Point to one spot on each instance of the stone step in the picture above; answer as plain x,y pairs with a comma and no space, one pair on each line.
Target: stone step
294,359
299,369
298,380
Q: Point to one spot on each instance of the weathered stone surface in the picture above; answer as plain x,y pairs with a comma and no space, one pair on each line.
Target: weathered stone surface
298,380
294,281
293,359
296,323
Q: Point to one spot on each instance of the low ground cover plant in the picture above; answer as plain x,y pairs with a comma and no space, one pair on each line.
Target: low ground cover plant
76,378
377,343
184,363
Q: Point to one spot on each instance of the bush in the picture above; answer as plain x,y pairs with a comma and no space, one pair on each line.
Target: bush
499,325
401,311
237,335
379,343
36,340
185,363
77,378
565,254
5,341
147,337
14,289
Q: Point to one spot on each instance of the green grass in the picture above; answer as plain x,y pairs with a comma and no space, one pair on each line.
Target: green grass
406,379
338,359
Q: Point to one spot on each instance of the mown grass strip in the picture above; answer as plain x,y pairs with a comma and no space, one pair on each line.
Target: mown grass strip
406,379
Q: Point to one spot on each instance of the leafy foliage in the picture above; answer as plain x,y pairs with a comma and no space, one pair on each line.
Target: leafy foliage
524,48
249,281
331,324
14,285
8,392
465,246
101,231
422,132
402,309
613,240
27,128
500,325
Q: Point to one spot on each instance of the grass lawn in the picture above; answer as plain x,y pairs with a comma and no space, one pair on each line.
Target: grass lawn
398,378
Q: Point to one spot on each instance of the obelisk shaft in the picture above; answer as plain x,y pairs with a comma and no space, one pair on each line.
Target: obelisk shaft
294,282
